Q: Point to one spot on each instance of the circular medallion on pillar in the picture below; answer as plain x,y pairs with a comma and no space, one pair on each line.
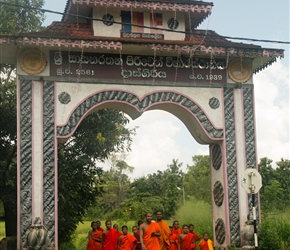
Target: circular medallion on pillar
220,231
216,156
218,193
32,61
64,98
239,70
214,103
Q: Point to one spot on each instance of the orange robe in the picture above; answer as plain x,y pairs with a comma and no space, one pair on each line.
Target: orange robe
177,231
151,242
92,244
127,242
137,236
186,242
173,245
110,240
116,236
164,237
196,238
205,245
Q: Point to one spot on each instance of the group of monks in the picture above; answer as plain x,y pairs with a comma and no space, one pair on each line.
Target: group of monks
148,235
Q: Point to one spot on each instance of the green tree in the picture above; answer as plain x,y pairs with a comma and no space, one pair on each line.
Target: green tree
172,180
197,178
8,151
283,177
271,197
80,180
267,172
13,20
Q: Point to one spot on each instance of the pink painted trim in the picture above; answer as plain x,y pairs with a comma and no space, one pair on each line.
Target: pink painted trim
32,150
55,174
114,101
18,165
226,198
205,8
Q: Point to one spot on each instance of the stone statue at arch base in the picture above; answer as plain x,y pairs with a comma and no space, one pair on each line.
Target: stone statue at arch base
247,232
36,236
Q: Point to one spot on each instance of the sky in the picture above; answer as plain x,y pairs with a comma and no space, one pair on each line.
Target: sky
161,137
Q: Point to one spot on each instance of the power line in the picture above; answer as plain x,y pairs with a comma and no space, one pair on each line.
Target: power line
147,27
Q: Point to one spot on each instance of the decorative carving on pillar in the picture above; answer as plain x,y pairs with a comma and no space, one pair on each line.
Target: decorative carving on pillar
230,137
48,162
214,103
216,156
220,231
250,146
64,98
133,100
218,193
36,236
25,157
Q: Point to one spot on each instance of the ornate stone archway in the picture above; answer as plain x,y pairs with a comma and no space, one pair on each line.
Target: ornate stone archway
230,203
101,61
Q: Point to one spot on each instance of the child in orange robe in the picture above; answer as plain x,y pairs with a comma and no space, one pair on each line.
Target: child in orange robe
126,241
95,238
176,229
205,243
109,237
185,240
195,236
173,240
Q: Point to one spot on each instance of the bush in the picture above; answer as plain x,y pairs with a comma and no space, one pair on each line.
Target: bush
198,213
274,234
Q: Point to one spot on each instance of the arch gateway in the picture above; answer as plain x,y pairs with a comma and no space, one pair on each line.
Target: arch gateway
134,56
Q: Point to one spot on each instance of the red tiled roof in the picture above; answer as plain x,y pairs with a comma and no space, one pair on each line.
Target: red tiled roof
84,31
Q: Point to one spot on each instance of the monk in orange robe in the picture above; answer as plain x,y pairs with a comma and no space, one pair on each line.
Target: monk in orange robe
205,243
195,236
99,226
173,240
176,229
165,231
136,233
126,241
109,236
117,235
185,240
149,233
95,238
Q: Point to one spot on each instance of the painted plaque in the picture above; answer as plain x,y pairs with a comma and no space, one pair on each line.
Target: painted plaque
137,68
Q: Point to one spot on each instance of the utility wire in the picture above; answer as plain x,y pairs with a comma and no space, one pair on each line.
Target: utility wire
147,27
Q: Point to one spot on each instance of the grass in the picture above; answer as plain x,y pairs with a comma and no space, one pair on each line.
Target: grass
2,230
197,213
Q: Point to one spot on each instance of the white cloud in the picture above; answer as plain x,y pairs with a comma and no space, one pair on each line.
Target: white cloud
272,112
161,137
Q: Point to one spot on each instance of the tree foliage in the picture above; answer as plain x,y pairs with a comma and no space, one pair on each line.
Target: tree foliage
197,178
275,184
80,180
15,19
